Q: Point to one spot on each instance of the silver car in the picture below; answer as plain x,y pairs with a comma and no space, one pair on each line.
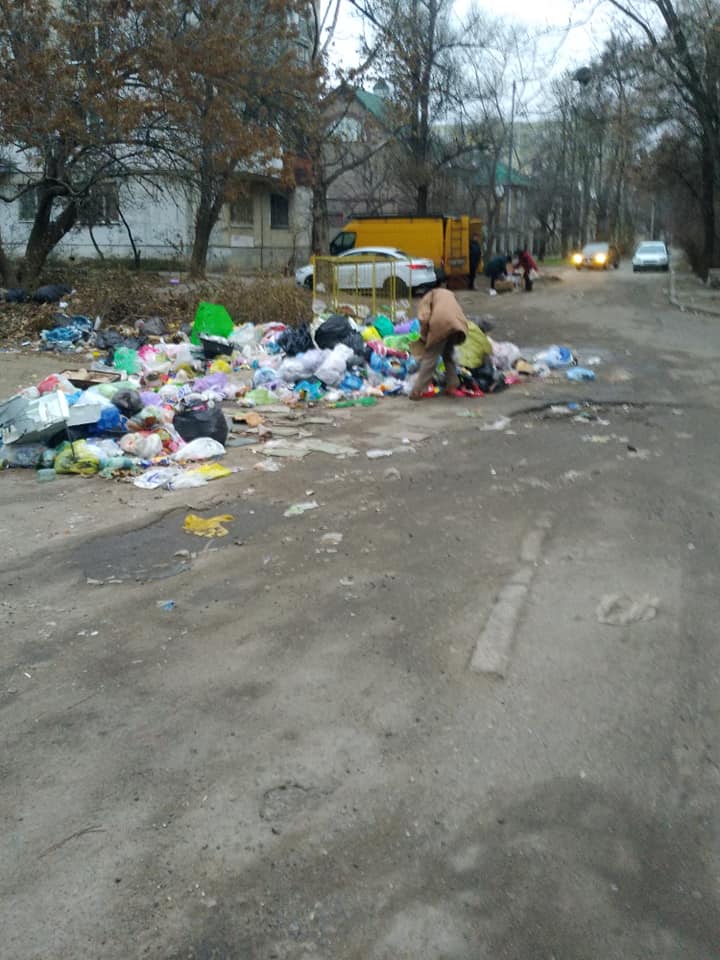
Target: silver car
651,255
378,267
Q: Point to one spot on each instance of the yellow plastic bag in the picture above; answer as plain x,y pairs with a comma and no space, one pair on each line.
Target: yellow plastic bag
220,366
210,527
210,471
370,333
76,458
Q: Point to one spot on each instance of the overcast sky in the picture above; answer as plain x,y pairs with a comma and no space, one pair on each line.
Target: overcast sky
572,32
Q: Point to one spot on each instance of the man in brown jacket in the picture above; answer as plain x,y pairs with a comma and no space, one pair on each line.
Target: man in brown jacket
443,326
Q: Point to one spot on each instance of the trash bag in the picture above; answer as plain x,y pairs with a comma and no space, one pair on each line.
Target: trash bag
208,421
384,326
201,448
334,366
338,329
76,457
51,293
153,326
143,445
16,295
296,340
108,339
126,359
555,357
149,418
213,319
128,402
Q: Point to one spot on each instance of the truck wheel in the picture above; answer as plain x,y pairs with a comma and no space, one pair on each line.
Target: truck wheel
395,285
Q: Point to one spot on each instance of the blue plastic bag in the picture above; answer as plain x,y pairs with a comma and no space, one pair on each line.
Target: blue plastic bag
580,373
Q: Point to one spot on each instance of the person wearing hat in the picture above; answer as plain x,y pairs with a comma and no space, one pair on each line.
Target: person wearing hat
443,326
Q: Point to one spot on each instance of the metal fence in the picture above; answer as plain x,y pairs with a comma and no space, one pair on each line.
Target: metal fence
368,284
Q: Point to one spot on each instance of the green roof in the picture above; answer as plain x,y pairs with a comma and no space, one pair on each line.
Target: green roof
516,178
373,103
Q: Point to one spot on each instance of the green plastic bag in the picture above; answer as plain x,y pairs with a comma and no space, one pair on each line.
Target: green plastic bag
260,396
384,326
212,319
126,359
401,341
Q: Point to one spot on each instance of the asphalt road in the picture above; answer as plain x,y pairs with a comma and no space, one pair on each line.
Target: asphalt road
413,740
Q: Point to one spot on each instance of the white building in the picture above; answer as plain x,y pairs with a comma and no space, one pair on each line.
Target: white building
266,228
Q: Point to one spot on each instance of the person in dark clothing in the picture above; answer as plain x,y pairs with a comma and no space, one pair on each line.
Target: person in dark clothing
526,263
497,268
475,257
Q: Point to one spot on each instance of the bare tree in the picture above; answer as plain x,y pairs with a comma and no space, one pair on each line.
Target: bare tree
69,118
684,38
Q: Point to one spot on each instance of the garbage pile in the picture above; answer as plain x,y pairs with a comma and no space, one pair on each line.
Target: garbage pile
151,410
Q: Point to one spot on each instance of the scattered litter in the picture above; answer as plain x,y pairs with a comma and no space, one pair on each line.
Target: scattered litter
331,538
502,423
167,604
619,610
297,509
378,454
595,438
312,445
267,466
579,374
210,527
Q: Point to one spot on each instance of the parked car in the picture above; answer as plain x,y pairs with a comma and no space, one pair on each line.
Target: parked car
376,267
651,255
597,256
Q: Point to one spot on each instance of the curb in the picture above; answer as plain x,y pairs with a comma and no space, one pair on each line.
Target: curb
684,307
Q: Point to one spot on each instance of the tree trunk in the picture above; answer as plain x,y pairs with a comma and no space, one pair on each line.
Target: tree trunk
8,276
320,220
45,234
422,200
708,205
201,242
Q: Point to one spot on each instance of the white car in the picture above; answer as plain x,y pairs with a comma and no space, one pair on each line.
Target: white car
377,267
651,255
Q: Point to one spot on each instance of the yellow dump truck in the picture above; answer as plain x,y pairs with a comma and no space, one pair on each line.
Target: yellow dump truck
445,240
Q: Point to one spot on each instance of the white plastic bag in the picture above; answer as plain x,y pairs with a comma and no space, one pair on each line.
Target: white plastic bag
202,448
143,445
333,368
504,354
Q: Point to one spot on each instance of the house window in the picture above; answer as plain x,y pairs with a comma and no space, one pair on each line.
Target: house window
279,212
241,212
101,206
28,204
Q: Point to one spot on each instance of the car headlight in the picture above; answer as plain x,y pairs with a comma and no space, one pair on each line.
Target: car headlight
577,258
600,257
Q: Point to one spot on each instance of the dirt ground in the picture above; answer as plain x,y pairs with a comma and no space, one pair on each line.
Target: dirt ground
395,726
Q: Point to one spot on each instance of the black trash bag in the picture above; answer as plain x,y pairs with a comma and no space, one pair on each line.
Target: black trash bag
51,293
152,326
206,421
16,295
108,339
128,402
338,329
296,340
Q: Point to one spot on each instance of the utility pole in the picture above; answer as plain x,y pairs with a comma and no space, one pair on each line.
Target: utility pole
509,169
